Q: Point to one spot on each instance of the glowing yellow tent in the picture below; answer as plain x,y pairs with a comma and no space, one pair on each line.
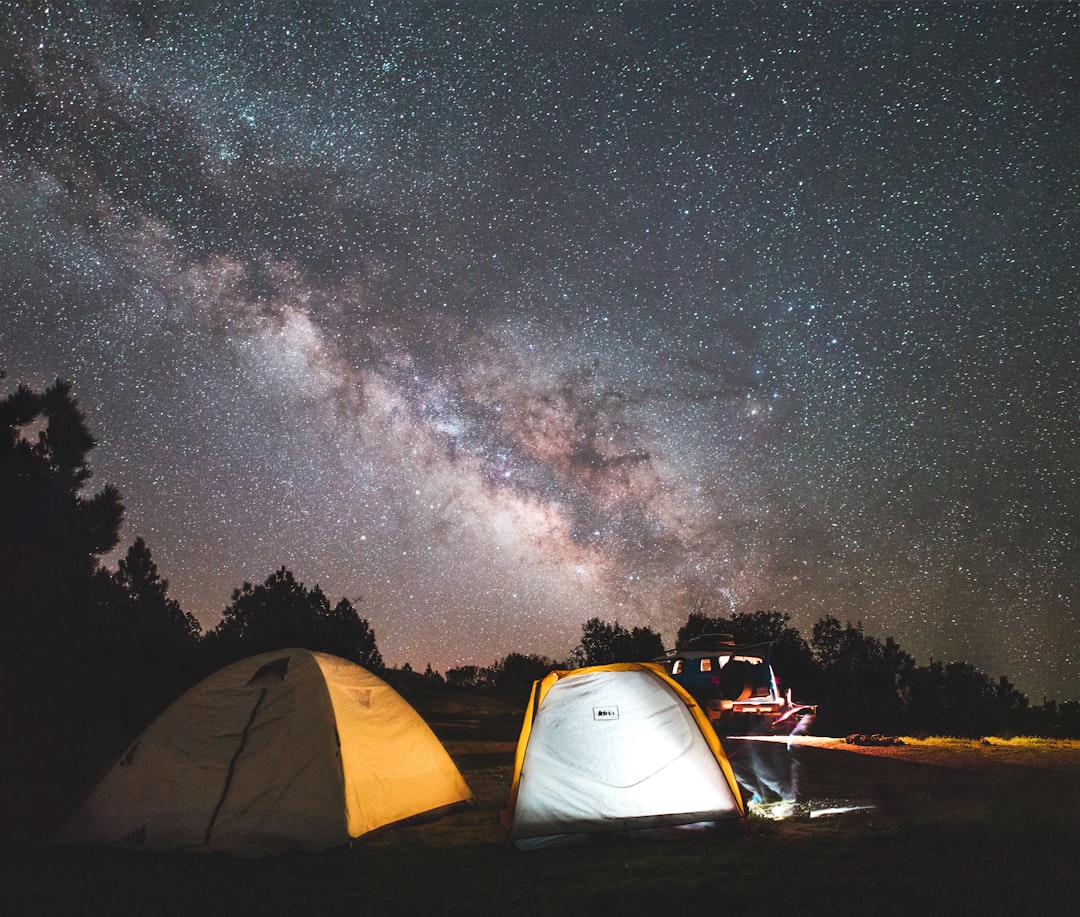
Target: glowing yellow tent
617,748
291,750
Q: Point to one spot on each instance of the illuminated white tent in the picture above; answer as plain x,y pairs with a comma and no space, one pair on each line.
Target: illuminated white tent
291,750
617,749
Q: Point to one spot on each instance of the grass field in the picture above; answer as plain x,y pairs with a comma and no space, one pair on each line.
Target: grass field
947,827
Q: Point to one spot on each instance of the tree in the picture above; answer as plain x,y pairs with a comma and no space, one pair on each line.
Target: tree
342,632
465,676
147,653
603,643
957,699
278,613
597,646
643,645
146,593
744,627
52,534
1054,719
518,670
866,683
282,613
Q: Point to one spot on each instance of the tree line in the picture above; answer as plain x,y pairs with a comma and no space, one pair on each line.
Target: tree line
88,649
85,649
859,683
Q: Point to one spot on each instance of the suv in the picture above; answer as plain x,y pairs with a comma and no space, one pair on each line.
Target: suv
735,685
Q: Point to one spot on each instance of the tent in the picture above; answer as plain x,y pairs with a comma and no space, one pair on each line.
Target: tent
290,750
617,748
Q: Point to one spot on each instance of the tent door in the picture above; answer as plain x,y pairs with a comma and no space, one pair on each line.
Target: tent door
232,766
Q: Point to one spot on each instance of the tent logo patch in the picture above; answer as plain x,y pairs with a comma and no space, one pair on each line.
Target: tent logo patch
605,713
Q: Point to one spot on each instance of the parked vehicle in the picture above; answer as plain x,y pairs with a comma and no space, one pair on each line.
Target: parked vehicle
735,685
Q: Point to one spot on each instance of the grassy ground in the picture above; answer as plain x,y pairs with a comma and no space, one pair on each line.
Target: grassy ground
949,828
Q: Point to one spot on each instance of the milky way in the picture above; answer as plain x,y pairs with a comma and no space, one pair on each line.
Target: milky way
497,317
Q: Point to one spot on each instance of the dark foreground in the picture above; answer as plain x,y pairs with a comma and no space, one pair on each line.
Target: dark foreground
983,833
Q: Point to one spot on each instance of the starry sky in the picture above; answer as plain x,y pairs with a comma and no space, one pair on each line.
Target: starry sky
494,317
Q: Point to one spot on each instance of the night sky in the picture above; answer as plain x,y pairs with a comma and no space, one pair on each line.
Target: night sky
495,317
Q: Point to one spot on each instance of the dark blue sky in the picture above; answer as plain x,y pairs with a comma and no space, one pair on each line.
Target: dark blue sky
497,317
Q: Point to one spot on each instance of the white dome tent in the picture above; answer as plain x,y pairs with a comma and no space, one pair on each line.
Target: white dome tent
617,749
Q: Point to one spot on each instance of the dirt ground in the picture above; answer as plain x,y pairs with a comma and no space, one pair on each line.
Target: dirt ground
933,827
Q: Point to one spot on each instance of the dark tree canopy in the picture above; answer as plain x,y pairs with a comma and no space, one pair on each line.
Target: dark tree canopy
957,699
282,612
744,627
146,594
146,644
52,533
346,634
603,643
863,678
520,670
466,676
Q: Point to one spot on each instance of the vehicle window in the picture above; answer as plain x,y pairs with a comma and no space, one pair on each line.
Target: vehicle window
706,665
676,667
